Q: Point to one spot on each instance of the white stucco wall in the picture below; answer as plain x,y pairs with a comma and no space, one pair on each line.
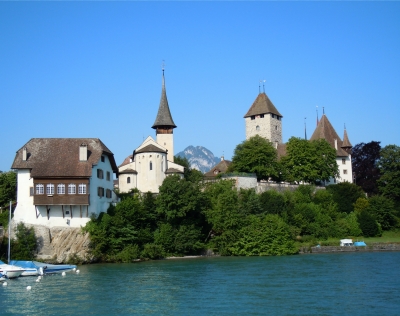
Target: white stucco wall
167,141
28,213
150,180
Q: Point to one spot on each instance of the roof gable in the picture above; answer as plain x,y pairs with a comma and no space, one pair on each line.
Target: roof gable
262,105
150,145
59,157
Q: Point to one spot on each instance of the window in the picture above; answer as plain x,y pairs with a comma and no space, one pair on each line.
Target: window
273,115
100,174
102,159
343,161
50,189
71,188
162,165
261,115
108,175
31,192
257,128
82,188
253,117
61,188
344,171
128,180
108,193
151,165
100,191
276,127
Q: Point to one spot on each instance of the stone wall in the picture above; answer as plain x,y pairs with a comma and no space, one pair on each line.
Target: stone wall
60,244
280,187
332,249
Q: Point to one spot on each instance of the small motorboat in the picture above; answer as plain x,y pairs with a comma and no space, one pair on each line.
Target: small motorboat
33,268
10,271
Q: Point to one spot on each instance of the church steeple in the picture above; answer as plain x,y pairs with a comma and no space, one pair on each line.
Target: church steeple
164,122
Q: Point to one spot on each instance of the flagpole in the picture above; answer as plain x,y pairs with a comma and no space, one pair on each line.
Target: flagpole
9,234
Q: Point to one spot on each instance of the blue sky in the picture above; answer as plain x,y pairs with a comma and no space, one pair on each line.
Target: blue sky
93,69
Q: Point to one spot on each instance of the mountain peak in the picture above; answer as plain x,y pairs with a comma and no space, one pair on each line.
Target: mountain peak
199,158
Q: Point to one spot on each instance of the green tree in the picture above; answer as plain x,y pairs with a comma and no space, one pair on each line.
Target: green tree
267,235
190,174
345,194
309,161
382,209
389,165
272,202
255,155
8,187
365,158
368,224
23,247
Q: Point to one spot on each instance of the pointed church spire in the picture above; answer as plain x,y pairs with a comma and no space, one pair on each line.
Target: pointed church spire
164,118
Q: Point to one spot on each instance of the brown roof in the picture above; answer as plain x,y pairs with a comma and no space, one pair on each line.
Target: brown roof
59,157
221,167
128,171
346,141
262,105
127,160
326,131
173,170
150,149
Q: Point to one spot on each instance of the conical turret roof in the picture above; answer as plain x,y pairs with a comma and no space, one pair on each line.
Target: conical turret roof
262,105
346,141
326,131
164,117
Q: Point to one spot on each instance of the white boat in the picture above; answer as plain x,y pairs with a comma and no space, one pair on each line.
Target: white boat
10,271
33,268
3,277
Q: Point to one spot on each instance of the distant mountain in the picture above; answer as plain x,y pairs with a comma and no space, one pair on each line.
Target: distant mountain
199,158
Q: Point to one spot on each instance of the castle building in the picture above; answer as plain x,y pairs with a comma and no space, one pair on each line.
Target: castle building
264,119
63,181
343,148
153,160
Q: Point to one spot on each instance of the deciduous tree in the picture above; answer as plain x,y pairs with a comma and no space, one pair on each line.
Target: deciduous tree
389,165
365,159
255,155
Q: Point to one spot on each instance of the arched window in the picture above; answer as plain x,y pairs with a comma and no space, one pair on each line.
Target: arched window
257,128
39,189
162,165
71,188
82,188
50,189
151,165
128,180
61,188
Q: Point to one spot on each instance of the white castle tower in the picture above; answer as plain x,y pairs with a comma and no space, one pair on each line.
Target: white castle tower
264,119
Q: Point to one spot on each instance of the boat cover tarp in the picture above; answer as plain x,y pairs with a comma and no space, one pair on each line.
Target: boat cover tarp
47,267
359,244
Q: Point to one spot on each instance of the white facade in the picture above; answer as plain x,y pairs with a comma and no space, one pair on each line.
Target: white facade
147,169
167,141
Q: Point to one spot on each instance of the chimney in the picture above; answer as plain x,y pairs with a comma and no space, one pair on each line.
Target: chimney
335,143
24,154
222,158
83,152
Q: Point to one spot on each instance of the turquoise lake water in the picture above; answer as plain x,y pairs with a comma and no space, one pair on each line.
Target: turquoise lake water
317,284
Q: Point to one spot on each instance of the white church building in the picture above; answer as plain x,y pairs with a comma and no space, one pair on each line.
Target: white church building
153,160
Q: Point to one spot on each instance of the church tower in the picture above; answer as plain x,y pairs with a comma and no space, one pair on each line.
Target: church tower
164,124
264,119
